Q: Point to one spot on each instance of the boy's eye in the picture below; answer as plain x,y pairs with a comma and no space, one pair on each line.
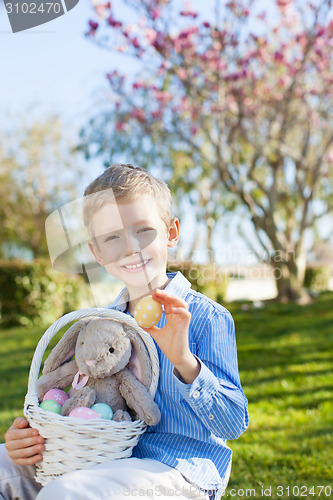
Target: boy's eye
110,238
144,229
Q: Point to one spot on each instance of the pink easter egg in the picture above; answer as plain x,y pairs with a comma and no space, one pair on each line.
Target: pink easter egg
84,412
56,395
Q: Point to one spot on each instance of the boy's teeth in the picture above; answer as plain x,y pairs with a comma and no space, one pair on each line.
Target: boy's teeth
137,265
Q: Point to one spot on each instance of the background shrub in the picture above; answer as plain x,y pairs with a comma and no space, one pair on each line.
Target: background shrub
317,278
32,293
207,279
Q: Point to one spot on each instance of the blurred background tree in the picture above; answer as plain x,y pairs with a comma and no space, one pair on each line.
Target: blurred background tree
39,172
238,106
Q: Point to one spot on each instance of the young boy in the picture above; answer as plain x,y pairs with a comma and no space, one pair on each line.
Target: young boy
128,215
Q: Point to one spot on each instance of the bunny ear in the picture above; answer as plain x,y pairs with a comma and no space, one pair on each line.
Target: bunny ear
65,348
139,363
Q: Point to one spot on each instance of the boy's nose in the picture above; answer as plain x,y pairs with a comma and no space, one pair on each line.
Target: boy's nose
132,244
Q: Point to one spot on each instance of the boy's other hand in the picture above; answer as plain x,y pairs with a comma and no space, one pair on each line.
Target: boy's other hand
173,337
24,444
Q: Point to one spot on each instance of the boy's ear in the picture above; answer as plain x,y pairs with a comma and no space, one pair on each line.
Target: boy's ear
96,252
173,233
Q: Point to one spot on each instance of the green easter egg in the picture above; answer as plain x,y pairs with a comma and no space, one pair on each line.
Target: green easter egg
103,410
51,405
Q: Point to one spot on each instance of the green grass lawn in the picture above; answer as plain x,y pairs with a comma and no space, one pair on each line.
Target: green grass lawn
285,358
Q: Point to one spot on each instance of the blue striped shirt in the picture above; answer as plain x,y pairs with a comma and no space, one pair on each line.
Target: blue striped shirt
197,419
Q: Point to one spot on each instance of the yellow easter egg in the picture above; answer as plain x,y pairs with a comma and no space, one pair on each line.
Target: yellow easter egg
147,312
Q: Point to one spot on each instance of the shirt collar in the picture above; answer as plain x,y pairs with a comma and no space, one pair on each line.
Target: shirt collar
178,285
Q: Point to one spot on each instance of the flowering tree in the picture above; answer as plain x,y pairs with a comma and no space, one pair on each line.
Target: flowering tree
241,103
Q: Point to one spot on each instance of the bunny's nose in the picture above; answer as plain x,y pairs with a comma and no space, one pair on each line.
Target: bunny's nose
90,362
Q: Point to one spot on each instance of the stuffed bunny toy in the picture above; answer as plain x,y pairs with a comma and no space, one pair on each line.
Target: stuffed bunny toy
111,366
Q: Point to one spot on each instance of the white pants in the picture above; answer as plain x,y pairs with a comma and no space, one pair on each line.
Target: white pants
116,480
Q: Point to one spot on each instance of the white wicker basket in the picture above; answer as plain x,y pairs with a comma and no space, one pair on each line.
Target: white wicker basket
71,443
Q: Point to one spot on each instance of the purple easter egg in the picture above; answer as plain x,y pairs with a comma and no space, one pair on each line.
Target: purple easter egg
56,395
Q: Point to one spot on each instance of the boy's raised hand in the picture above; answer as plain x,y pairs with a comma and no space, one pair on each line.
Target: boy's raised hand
24,444
173,337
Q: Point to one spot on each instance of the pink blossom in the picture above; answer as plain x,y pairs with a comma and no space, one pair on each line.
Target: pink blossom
138,114
163,96
161,70
278,56
329,156
314,118
113,22
159,42
181,72
155,13
243,73
100,10
150,35
188,13
136,43
187,32
184,105
115,79
93,25
120,126
321,31
232,104
91,33
216,108
122,47
282,81
138,85
206,24
262,16
157,114
221,65
299,93
282,3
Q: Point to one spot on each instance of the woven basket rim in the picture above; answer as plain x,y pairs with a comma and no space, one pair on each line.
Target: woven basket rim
118,438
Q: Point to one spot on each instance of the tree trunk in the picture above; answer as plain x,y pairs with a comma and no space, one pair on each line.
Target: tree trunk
289,276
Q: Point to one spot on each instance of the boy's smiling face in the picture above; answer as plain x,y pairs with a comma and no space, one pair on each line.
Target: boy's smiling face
131,241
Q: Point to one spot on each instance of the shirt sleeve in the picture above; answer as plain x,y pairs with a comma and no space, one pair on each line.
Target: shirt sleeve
216,395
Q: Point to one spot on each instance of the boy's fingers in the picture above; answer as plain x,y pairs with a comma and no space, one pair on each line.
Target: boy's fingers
153,330
15,433
29,461
20,444
26,452
181,311
166,298
21,422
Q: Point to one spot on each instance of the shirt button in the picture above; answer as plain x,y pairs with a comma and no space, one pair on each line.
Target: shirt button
196,394
211,417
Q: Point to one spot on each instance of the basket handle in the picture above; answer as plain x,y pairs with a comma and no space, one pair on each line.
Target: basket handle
32,398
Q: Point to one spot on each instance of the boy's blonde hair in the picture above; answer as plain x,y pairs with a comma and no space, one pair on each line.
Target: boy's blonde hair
124,182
